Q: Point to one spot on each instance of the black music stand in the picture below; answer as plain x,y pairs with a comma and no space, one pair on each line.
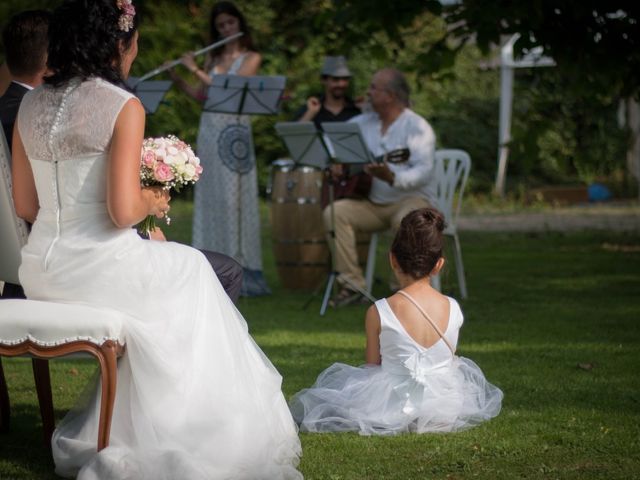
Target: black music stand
305,144
150,92
347,142
309,146
258,95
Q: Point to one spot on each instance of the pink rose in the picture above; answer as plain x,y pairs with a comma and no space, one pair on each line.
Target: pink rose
149,158
162,173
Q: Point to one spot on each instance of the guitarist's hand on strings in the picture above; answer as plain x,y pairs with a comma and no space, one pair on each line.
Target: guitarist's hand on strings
381,171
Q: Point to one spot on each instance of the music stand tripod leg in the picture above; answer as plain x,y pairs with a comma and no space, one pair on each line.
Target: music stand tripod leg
332,249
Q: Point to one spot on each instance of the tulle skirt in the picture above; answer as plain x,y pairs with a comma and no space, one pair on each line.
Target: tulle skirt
196,398
372,401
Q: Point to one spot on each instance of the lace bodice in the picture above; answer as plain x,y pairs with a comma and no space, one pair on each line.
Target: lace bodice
75,120
66,133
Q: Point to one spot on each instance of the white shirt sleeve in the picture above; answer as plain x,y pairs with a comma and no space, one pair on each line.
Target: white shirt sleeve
421,142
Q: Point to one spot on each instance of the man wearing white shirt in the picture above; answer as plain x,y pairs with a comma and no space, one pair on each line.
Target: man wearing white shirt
397,188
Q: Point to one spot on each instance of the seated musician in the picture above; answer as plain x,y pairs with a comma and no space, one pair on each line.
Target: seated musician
333,105
397,188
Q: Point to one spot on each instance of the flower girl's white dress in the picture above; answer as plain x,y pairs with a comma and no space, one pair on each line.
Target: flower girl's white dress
196,397
415,389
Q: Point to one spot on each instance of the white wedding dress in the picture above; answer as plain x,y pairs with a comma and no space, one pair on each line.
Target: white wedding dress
196,397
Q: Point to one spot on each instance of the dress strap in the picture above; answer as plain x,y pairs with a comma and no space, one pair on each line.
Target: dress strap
426,315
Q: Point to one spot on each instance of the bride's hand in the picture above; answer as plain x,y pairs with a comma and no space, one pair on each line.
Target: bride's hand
158,200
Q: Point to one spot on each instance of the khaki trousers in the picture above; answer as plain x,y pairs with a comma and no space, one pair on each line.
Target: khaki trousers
352,216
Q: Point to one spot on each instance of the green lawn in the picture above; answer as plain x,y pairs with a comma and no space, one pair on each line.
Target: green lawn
540,306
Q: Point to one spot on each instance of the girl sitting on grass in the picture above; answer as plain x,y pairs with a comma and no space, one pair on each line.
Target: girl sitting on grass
413,380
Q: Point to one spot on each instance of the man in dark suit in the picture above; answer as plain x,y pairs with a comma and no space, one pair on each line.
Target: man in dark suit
25,41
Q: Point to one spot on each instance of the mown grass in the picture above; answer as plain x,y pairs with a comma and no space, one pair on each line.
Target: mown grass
552,319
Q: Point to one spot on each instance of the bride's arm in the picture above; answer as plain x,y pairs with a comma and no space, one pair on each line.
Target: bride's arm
128,203
372,328
25,196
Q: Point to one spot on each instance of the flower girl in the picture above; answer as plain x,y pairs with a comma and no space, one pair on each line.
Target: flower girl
413,380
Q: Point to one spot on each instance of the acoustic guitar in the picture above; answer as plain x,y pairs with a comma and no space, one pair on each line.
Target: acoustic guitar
354,181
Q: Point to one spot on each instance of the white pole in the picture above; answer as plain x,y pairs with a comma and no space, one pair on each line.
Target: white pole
506,101
633,150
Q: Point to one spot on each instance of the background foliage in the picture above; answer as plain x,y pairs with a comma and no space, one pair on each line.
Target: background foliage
564,126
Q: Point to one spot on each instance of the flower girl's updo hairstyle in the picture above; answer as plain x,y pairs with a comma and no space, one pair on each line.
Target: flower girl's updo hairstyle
84,38
418,243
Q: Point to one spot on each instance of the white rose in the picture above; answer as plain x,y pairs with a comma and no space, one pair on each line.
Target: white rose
189,172
182,157
161,152
171,150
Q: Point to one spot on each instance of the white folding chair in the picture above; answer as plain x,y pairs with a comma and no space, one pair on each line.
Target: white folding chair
452,172
44,330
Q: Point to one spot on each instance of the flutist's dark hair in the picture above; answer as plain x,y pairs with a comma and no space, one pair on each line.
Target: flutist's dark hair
230,9
85,41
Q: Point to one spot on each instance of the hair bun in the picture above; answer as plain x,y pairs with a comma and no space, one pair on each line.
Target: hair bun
418,244
434,217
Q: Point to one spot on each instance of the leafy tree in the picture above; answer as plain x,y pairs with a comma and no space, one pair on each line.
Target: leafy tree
563,117
595,44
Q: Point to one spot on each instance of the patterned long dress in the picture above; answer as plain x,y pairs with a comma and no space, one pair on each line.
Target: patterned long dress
226,218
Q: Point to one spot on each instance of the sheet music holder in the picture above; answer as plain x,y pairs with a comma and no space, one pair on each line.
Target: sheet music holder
309,146
305,144
347,142
150,92
258,95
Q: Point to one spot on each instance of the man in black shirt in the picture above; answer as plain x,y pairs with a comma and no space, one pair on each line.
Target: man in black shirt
334,105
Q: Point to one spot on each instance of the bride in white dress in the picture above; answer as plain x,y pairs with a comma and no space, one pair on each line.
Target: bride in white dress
196,398
413,380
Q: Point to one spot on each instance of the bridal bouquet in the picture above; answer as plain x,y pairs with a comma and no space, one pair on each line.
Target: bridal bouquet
167,162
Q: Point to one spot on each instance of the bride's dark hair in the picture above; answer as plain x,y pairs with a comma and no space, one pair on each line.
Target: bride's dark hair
84,41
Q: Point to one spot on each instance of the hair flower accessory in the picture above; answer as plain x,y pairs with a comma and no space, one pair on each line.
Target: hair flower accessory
125,22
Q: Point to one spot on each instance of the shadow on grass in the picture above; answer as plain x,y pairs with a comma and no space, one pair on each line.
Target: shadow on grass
23,453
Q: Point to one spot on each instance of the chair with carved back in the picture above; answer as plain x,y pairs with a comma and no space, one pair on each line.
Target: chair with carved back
46,330
451,169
